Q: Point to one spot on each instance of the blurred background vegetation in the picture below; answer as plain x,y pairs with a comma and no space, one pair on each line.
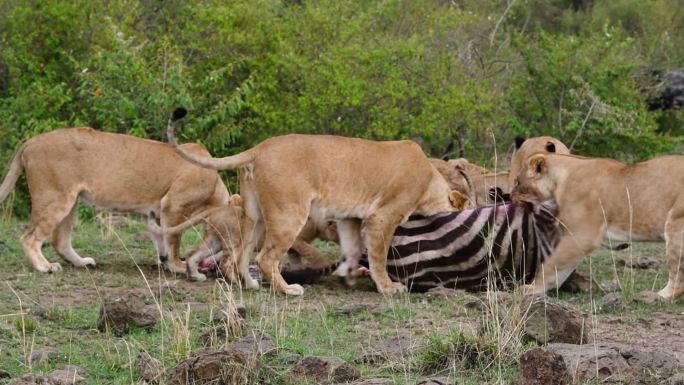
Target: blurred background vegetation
475,72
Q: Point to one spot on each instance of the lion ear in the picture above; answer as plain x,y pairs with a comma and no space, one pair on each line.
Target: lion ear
458,201
537,164
550,147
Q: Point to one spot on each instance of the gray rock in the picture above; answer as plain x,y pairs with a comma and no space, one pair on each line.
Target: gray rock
611,302
610,286
490,299
226,367
649,297
395,348
320,369
43,356
577,283
149,368
436,381
589,362
644,262
615,362
122,311
374,381
66,377
677,379
255,344
292,359
443,292
547,321
650,362
353,308
222,315
30,379
541,366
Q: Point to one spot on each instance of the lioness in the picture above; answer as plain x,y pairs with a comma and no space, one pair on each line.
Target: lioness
456,177
368,187
598,197
112,171
524,147
222,241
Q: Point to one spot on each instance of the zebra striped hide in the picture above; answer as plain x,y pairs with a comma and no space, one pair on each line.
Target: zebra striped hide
472,249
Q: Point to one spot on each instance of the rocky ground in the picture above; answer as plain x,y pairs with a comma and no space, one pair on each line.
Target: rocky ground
128,322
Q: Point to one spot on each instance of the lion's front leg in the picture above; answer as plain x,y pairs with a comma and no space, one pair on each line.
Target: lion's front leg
572,247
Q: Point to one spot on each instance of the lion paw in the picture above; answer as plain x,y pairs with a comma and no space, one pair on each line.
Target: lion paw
178,267
51,268
253,284
392,288
199,277
294,289
86,262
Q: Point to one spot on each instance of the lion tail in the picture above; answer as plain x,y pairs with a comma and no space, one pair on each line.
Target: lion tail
15,169
229,162
190,222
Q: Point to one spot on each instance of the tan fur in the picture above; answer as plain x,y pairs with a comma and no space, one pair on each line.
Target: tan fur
111,171
286,179
481,180
598,197
532,146
222,240
456,177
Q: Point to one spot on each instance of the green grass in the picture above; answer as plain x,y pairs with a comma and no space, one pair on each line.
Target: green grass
69,304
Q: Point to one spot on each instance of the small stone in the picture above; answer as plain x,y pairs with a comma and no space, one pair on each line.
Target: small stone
221,315
677,379
374,381
649,297
255,344
640,262
611,302
610,286
548,321
540,366
577,283
436,381
353,308
149,368
43,356
30,379
325,369
121,311
73,368
226,366
292,359
66,377
443,292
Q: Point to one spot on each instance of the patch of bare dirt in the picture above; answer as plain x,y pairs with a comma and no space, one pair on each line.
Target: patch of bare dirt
658,331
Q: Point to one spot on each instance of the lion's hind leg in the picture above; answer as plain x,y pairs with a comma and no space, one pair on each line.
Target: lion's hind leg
61,241
674,236
47,214
282,228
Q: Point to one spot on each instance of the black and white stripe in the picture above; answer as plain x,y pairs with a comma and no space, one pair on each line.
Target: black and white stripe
473,248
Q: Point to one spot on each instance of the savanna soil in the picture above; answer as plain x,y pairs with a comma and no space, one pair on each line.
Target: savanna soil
392,337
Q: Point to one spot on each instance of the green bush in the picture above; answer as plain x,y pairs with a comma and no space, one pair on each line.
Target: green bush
469,71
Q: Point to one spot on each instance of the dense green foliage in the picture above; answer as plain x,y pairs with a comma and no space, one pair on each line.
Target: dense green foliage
475,71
